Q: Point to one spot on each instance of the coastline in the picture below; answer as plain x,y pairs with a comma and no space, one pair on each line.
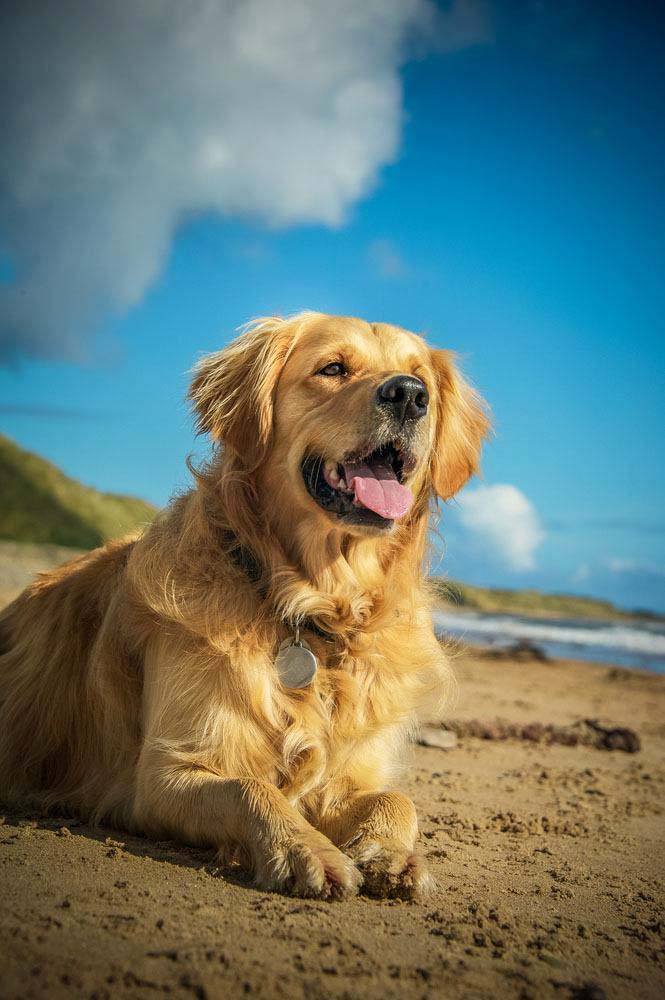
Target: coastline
636,644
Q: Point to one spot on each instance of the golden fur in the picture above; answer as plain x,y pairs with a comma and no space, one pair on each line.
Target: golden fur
137,683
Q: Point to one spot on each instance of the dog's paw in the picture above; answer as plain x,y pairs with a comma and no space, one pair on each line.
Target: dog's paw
308,865
391,871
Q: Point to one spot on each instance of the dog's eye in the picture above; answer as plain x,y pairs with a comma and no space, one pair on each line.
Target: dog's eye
334,369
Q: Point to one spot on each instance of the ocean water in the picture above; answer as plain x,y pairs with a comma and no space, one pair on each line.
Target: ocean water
626,644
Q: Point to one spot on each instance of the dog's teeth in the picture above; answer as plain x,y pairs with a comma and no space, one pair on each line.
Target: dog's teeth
342,484
331,473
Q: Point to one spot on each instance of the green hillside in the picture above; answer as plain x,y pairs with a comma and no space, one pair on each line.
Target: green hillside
39,503
529,603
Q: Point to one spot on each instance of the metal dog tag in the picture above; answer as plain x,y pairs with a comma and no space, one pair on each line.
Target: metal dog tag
295,662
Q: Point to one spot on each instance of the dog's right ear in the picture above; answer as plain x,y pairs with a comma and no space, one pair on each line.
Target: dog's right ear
462,425
233,389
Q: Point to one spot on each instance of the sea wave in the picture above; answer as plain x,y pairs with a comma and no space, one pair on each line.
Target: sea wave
635,645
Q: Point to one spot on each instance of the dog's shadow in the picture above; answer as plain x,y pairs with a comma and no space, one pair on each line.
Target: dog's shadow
118,842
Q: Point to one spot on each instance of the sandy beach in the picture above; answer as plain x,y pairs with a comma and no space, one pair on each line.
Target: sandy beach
548,858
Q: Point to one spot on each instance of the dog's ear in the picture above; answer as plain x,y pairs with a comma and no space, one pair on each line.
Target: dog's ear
462,425
233,389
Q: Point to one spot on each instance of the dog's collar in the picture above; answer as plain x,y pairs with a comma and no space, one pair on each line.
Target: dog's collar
246,561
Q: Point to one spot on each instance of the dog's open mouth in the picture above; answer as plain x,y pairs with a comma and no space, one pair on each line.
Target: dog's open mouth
363,489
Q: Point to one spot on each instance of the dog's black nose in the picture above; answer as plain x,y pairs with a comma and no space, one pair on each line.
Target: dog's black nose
405,395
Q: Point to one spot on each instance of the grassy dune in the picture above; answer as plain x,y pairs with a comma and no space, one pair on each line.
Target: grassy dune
530,603
40,504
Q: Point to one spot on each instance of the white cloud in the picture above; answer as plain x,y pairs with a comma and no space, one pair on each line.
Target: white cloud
386,260
628,582
581,574
617,565
463,23
504,520
121,120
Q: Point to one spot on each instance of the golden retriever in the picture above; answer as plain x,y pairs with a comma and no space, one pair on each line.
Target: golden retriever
141,684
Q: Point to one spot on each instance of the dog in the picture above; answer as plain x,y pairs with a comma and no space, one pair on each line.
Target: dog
246,673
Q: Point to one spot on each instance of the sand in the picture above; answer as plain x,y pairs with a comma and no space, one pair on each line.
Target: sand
549,861
21,561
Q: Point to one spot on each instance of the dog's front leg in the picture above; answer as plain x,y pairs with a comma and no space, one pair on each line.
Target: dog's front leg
284,851
379,831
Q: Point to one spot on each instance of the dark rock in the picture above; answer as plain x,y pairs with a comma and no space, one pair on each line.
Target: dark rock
615,737
587,991
534,732
522,650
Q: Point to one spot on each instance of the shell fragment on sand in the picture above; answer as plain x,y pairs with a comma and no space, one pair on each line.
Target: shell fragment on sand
442,739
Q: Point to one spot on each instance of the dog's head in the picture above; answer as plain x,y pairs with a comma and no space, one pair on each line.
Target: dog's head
351,422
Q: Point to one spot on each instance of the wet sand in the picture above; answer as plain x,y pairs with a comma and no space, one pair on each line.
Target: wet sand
549,861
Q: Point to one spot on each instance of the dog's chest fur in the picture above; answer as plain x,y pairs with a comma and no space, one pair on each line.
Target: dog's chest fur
347,727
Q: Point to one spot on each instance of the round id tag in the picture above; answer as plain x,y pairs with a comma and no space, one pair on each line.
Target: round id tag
295,662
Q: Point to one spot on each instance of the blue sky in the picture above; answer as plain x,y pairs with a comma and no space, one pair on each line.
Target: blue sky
516,214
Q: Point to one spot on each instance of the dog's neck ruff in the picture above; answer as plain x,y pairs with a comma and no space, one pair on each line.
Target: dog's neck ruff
245,560
295,662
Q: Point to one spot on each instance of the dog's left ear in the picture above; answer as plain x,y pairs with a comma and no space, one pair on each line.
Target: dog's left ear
233,389
462,425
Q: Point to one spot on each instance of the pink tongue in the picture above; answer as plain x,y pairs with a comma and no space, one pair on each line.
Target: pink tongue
376,486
